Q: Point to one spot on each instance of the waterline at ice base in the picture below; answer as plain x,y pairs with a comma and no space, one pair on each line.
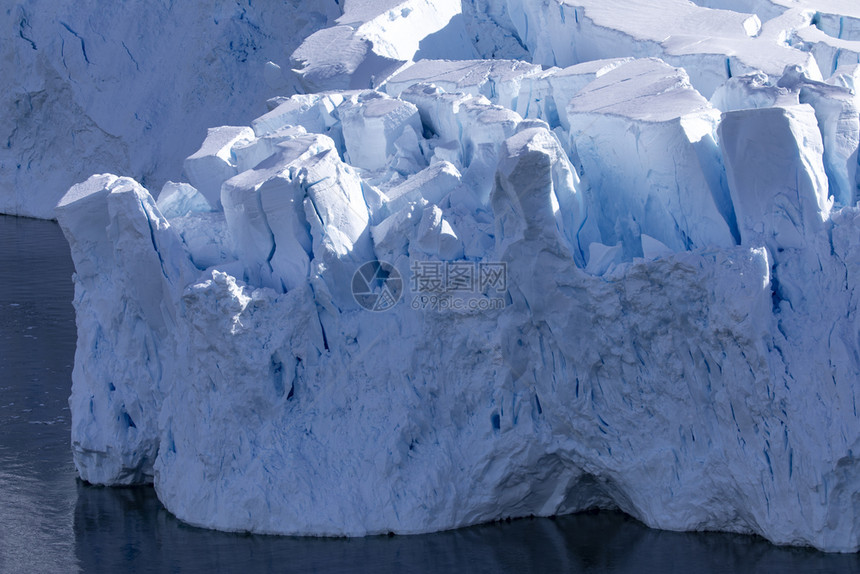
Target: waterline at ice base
498,259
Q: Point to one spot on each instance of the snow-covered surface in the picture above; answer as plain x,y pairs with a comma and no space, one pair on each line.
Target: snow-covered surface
669,208
497,80
375,38
712,45
131,87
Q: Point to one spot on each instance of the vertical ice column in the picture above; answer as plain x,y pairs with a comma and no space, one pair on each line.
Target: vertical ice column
645,139
534,199
836,109
776,175
297,213
129,264
380,132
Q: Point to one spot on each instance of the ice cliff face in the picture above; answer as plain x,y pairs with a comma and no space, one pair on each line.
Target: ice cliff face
443,292
132,87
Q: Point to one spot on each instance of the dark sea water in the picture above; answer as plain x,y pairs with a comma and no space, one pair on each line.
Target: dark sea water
52,522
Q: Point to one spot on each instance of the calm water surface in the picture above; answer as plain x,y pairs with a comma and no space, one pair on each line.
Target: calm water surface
52,522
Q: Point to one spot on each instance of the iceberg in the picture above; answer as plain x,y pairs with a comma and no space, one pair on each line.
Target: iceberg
671,381
435,291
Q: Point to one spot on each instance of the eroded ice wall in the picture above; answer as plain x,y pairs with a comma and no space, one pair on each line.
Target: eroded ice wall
671,330
706,383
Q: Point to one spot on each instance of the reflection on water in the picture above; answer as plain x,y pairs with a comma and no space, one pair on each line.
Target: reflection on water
51,522
115,526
